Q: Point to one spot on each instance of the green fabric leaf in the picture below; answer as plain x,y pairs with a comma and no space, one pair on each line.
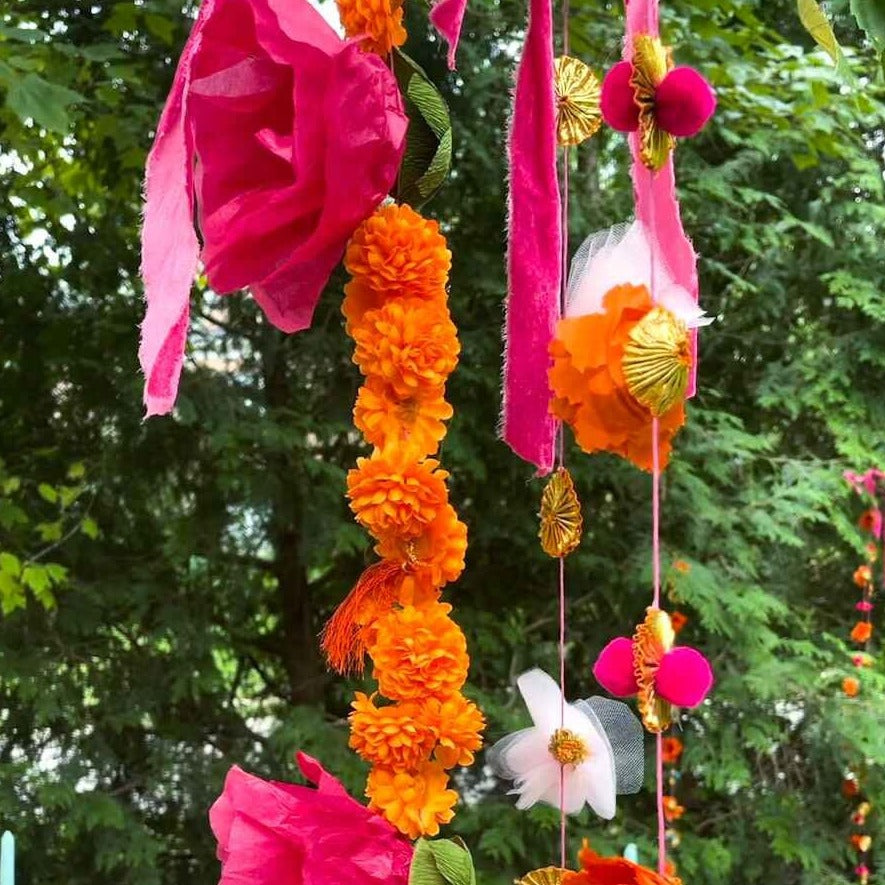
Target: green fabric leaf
428,155
870,15
443,862
424,870
45,103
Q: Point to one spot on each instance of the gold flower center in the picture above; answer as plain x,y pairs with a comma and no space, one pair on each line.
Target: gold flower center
567,748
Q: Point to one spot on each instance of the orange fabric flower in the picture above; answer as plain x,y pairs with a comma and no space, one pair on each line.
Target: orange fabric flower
671,750
590,391
419,653
851,686
392,496
862,631
396,253
678,620
850,787
412,425
416,803
380,21
672,809
682,566
457,723
437,554
410,344
861,842
862,575
392,737
598,870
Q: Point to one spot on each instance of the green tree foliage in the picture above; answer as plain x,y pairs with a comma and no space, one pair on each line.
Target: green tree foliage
185,639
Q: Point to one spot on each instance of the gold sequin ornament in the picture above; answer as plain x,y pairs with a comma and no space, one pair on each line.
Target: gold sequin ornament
657,359
545,876
561,520
578,115
653,638
651,63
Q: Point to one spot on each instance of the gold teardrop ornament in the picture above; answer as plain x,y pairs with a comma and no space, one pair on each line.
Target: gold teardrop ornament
578,115
657,360
652,61
561,520
545,876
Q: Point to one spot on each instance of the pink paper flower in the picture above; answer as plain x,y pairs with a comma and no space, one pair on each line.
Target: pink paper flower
864,482
284,138
273,833
649,666
864,606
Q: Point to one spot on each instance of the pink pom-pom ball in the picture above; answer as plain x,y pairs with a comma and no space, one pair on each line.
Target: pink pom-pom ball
684,102
618,105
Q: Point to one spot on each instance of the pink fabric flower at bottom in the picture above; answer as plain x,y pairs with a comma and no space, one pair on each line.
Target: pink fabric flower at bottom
272,833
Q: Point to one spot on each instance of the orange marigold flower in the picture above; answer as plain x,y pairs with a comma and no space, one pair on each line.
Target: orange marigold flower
671,750
396,253
394,496
419,653
862,575
678,620
672,809
417,802
437,554
412,424
862,631
394,736
457,724
380,21
589,387
411,344
851,686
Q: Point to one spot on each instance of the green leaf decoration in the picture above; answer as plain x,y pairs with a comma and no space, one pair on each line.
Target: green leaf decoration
870,15
32,97
428,155
443,862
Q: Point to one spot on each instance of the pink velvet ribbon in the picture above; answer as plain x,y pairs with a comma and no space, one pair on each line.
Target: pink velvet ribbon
534,258
447,17
655,192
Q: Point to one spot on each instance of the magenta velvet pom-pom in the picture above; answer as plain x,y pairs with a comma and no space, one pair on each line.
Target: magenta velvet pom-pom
684,677
684,101
618,104
614,669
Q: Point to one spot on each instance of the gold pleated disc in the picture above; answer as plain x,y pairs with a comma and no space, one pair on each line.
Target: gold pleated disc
657,359
545,876
652,62
561,520
653,638
578,116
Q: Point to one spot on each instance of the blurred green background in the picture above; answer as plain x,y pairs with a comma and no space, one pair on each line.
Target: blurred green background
163,583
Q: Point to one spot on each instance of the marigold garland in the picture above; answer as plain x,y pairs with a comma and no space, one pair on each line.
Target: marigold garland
379,22
417,725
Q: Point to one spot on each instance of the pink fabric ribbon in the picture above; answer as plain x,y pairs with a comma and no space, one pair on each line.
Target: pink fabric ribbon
534,256
447,17
655,192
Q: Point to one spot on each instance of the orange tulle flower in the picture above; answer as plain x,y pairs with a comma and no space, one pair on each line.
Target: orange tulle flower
672,809
379,21
396,253
418,653
392,496
589,387
862,575
598,870
457,724
437,554
671,750
862,631
851,686
412,425
394,737
416,803
410,344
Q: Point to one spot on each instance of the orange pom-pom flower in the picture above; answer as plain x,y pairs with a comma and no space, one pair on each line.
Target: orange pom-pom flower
416,803
379,21
851,686
394,736
862,632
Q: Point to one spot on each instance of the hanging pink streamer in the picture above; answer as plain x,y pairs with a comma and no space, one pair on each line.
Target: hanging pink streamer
655,192
447,17
534,249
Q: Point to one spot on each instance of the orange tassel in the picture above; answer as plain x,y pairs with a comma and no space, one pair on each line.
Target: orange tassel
374,594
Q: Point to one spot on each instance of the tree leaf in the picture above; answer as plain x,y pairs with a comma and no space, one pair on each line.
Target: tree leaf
815,21
870,15
32,97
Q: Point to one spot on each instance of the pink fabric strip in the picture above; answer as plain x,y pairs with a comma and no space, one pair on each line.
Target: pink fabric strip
655,192
447,17
534,249
169,246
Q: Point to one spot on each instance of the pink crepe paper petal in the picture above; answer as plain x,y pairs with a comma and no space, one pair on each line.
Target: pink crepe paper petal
618,102
614,669
447,17
534,247
684,677
272,833
684,102
655,192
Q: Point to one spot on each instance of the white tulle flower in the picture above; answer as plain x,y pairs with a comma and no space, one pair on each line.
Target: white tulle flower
567,756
